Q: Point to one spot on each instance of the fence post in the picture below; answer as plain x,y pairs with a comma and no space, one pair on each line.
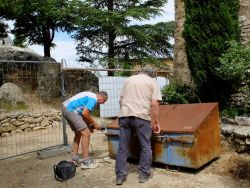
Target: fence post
65,137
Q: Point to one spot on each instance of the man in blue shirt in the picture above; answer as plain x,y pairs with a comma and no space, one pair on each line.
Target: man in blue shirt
76,110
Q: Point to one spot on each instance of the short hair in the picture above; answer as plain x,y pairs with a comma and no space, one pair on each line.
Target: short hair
148,71
104,94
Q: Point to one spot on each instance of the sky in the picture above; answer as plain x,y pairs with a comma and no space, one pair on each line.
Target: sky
65,45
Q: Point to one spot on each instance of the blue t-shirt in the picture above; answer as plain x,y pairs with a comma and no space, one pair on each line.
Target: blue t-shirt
79,101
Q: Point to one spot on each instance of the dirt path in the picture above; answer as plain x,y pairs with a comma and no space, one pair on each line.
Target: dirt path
31,172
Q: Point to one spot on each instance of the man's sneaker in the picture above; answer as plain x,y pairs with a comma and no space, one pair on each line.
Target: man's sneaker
143,179
77,162
89,164
120,180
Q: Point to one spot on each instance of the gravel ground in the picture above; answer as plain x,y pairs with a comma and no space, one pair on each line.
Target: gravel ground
31,172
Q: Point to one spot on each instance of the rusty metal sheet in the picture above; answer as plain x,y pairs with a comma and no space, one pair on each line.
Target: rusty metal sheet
184,118
180,118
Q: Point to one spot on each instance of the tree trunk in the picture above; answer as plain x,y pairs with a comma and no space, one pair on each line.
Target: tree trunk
111,53
46,50
46,42
112,36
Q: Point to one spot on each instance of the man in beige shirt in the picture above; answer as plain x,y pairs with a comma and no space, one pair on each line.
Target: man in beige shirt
139,102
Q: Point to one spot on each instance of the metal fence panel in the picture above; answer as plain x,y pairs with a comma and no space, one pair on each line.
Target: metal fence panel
113,86
44,85
30,125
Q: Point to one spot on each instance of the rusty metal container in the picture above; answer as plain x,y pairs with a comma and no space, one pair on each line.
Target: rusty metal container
190,136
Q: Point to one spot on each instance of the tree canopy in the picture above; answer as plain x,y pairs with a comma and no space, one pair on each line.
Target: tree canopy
37,20
105,32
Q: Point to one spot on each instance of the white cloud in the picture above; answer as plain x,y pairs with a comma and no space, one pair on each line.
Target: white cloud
64,50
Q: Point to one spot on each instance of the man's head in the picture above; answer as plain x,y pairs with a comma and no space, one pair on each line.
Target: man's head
148,71
102,97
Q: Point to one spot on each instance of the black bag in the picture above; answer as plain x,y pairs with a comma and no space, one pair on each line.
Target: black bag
64,170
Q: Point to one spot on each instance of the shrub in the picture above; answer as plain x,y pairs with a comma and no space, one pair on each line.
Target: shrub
235,64
178,93
230,112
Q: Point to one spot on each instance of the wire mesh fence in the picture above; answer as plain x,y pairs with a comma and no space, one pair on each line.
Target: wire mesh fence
31,99
29,120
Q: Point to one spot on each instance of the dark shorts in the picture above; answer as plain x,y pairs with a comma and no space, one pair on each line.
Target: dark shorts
75,120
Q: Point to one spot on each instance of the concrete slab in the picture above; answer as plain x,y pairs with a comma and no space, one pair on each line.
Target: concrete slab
53,151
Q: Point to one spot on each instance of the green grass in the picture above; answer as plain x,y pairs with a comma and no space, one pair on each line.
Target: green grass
17,106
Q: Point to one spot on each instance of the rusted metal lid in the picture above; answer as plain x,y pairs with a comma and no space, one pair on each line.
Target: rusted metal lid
184,118
181,118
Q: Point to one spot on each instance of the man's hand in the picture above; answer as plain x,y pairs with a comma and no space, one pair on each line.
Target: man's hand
157,128
97,126
91,128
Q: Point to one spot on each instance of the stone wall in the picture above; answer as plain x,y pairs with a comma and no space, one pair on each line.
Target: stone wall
49,81
241,99
236,133
17,122
78,80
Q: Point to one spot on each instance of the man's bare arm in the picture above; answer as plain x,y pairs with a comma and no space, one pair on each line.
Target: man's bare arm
156,114
89,120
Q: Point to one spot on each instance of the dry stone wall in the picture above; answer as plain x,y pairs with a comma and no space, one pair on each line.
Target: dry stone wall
17,122
241,99
236,133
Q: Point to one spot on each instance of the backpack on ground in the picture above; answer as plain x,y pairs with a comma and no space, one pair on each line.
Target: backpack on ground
64,170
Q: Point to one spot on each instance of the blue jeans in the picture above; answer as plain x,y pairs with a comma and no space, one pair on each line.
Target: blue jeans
144,132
